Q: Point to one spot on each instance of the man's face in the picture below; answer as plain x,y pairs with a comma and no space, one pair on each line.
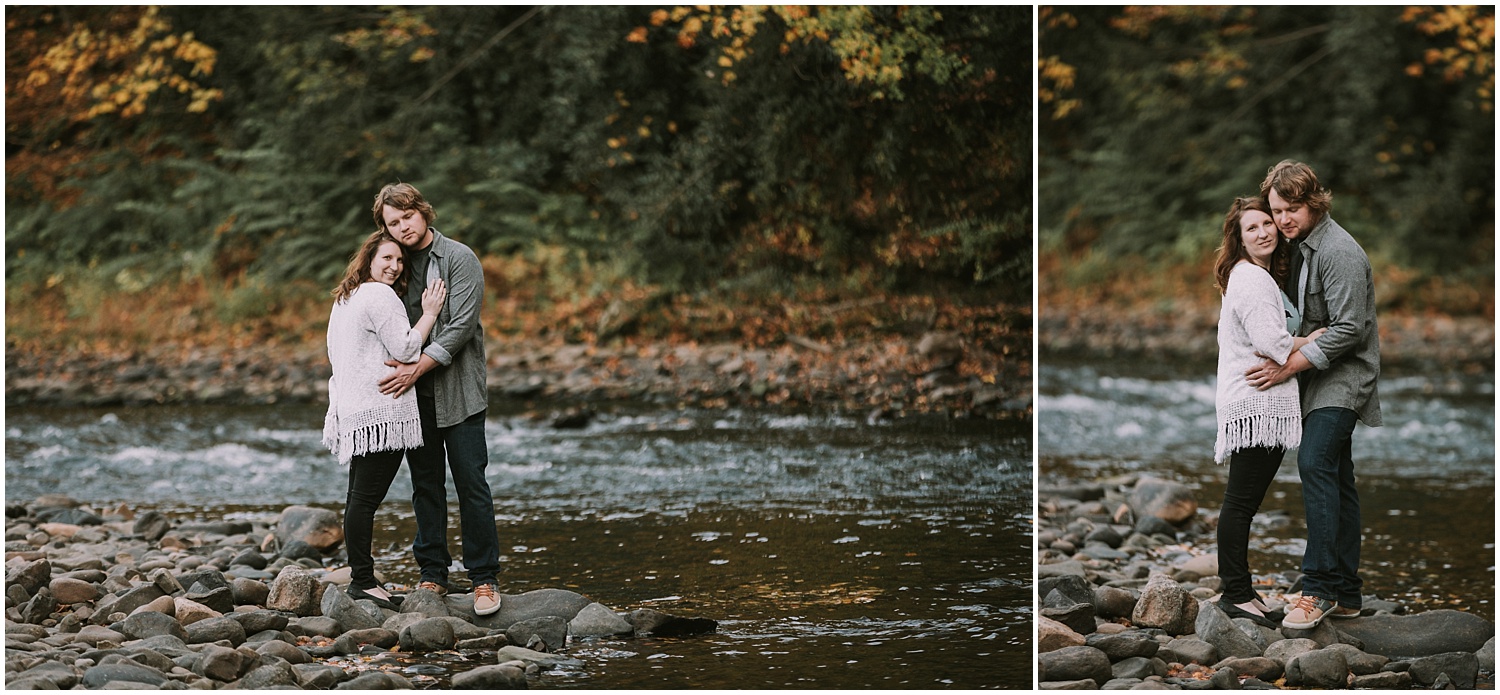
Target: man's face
1293,219
408,226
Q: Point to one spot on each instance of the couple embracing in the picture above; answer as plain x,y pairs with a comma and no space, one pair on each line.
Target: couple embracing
407,352
1298,300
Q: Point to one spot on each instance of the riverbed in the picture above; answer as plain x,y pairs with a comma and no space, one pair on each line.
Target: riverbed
834,553
1426,478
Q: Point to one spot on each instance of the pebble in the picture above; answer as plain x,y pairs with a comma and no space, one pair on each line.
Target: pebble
1129,600
110,605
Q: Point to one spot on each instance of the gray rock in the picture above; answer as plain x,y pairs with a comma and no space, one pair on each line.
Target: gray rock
488,643
1074,663
1225,679
1164,604
121,672
270,676
1486,655
1189,650
337,605
1079,617
151,526
1070,590
68,515
294,591
427,603
375,680
429,635
1060,569
93,634
1462,669
514,653
1320,668
1139,667
220,600
1284,650
319,528
249,592
56,676
552,630
39,608
1170,501
1113,602
150,624
351,641
319,676
1125,645
1259,667
284,651
1422,634
1385,680
203,580
260,621
300,550
659,624
1360,663
1214,627
127,602
1152,526
463,629
497,677
219,663
314,625
215,629
1105,534
534,604
1086,684
1325,634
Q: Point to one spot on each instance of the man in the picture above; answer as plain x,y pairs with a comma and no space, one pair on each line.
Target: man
1331,284
451,398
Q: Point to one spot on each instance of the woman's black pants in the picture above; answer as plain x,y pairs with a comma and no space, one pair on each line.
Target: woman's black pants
1250,474
370,478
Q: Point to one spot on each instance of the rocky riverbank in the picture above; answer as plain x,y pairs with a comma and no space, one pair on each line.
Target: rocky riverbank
1128,593
1188,331
110,599
935,373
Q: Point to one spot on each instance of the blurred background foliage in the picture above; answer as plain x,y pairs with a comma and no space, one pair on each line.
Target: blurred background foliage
1153,118
687,148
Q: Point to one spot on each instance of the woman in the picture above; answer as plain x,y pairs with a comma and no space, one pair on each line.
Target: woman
1255,428
367,430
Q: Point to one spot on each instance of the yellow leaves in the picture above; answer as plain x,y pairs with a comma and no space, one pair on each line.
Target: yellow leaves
1469,51
636,35
422,55
1056,77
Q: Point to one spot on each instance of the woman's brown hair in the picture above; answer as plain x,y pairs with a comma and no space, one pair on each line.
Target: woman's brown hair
358,271
1232,248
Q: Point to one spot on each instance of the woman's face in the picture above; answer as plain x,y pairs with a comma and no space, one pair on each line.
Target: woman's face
386,265
1258,233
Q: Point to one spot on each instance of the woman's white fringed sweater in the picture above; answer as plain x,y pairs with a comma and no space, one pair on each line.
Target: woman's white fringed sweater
1252,319
364,331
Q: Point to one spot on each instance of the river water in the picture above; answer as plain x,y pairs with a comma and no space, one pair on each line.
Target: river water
834,554
1426,478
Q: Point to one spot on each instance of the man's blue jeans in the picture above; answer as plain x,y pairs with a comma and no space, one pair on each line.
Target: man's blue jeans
461,449
1331,563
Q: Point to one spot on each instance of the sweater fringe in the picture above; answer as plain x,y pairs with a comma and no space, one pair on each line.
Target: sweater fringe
1258,430
384,436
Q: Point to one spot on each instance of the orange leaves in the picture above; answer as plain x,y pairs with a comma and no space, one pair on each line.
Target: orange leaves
1468,33
637,35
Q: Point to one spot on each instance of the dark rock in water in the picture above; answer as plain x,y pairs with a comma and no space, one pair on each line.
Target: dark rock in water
1320,668
1165,605
319,676
497,677
1422,634
152,526
429,635
1462,668
1083,492
1075,663
319,528
597,620
552,629
150,624
653,622
483,644
30,576
575,419
215,629
1214,627
67,515
1170,501
1124,645
97,676
350,642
